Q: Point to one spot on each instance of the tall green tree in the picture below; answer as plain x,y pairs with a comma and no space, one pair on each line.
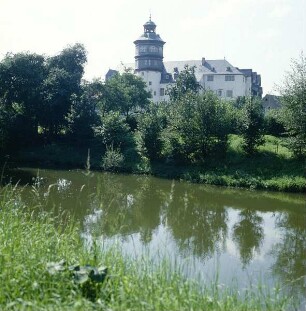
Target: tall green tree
150,126
186,82
114,131
21,81
198,127
65,71
81,118
126,93
293,99
251,125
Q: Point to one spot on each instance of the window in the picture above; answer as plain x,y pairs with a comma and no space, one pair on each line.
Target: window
150,82
229,93
153,49
154,93
210,78
219,92
162,92
229,78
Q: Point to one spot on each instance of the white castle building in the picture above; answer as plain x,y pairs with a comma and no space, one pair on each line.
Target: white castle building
220,76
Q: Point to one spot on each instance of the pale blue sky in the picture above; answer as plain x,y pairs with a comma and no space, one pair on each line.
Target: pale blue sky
260,34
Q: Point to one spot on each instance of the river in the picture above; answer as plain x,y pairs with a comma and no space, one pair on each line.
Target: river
230,236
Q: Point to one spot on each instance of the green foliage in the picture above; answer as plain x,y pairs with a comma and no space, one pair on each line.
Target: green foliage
293,100
125,93
186,82
150,126
21,78
273,124
81,118
114,131
251,125
72,60
36,90
65,71
113,159
88,278
198,127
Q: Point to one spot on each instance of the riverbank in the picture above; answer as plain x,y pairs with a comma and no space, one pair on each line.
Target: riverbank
271,168
37,250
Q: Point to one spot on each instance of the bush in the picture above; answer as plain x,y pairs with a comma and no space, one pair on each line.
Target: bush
113,159
273,123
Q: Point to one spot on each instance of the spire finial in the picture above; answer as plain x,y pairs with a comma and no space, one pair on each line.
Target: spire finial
150,15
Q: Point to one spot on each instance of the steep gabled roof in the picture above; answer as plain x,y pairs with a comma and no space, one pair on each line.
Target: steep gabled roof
218,66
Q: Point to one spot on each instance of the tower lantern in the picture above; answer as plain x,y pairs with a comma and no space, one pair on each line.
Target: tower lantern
149,49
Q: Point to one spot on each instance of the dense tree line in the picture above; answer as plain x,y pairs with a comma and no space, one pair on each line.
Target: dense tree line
43,100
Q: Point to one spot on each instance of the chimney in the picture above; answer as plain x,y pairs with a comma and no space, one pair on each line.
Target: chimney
203,61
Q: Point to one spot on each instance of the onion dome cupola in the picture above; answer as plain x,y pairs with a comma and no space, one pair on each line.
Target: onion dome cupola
149,49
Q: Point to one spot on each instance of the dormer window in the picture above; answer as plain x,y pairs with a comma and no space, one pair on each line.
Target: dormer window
228,69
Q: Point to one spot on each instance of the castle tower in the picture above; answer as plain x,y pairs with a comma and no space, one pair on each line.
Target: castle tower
149,49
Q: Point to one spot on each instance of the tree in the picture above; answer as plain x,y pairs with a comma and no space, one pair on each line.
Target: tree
198,127
63,80
21,80
114,131
186,82
273,123
150,126
251,125
72,59
82,117
293,100
126,93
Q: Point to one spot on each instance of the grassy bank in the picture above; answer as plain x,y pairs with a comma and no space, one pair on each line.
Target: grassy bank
271,168
34,246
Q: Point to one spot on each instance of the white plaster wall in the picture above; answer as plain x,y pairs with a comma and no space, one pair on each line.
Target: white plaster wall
152,80
238,86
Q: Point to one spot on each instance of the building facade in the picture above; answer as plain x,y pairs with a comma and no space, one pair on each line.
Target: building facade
219,76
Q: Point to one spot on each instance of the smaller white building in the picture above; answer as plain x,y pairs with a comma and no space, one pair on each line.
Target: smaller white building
227,81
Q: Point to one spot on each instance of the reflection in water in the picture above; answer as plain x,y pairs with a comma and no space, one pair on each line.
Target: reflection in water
197,223
290,252
248,234
245,231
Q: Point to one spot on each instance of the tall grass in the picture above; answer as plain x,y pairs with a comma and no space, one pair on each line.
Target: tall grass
31,238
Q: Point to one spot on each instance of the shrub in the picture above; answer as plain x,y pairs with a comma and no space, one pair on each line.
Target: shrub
113,159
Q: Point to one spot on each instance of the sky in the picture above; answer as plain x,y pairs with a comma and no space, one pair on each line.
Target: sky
264,35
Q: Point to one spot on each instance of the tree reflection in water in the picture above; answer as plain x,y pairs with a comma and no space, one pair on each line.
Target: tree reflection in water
248,235
197,222
290,252
127,208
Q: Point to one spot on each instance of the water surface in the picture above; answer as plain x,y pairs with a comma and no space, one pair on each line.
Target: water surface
237,236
